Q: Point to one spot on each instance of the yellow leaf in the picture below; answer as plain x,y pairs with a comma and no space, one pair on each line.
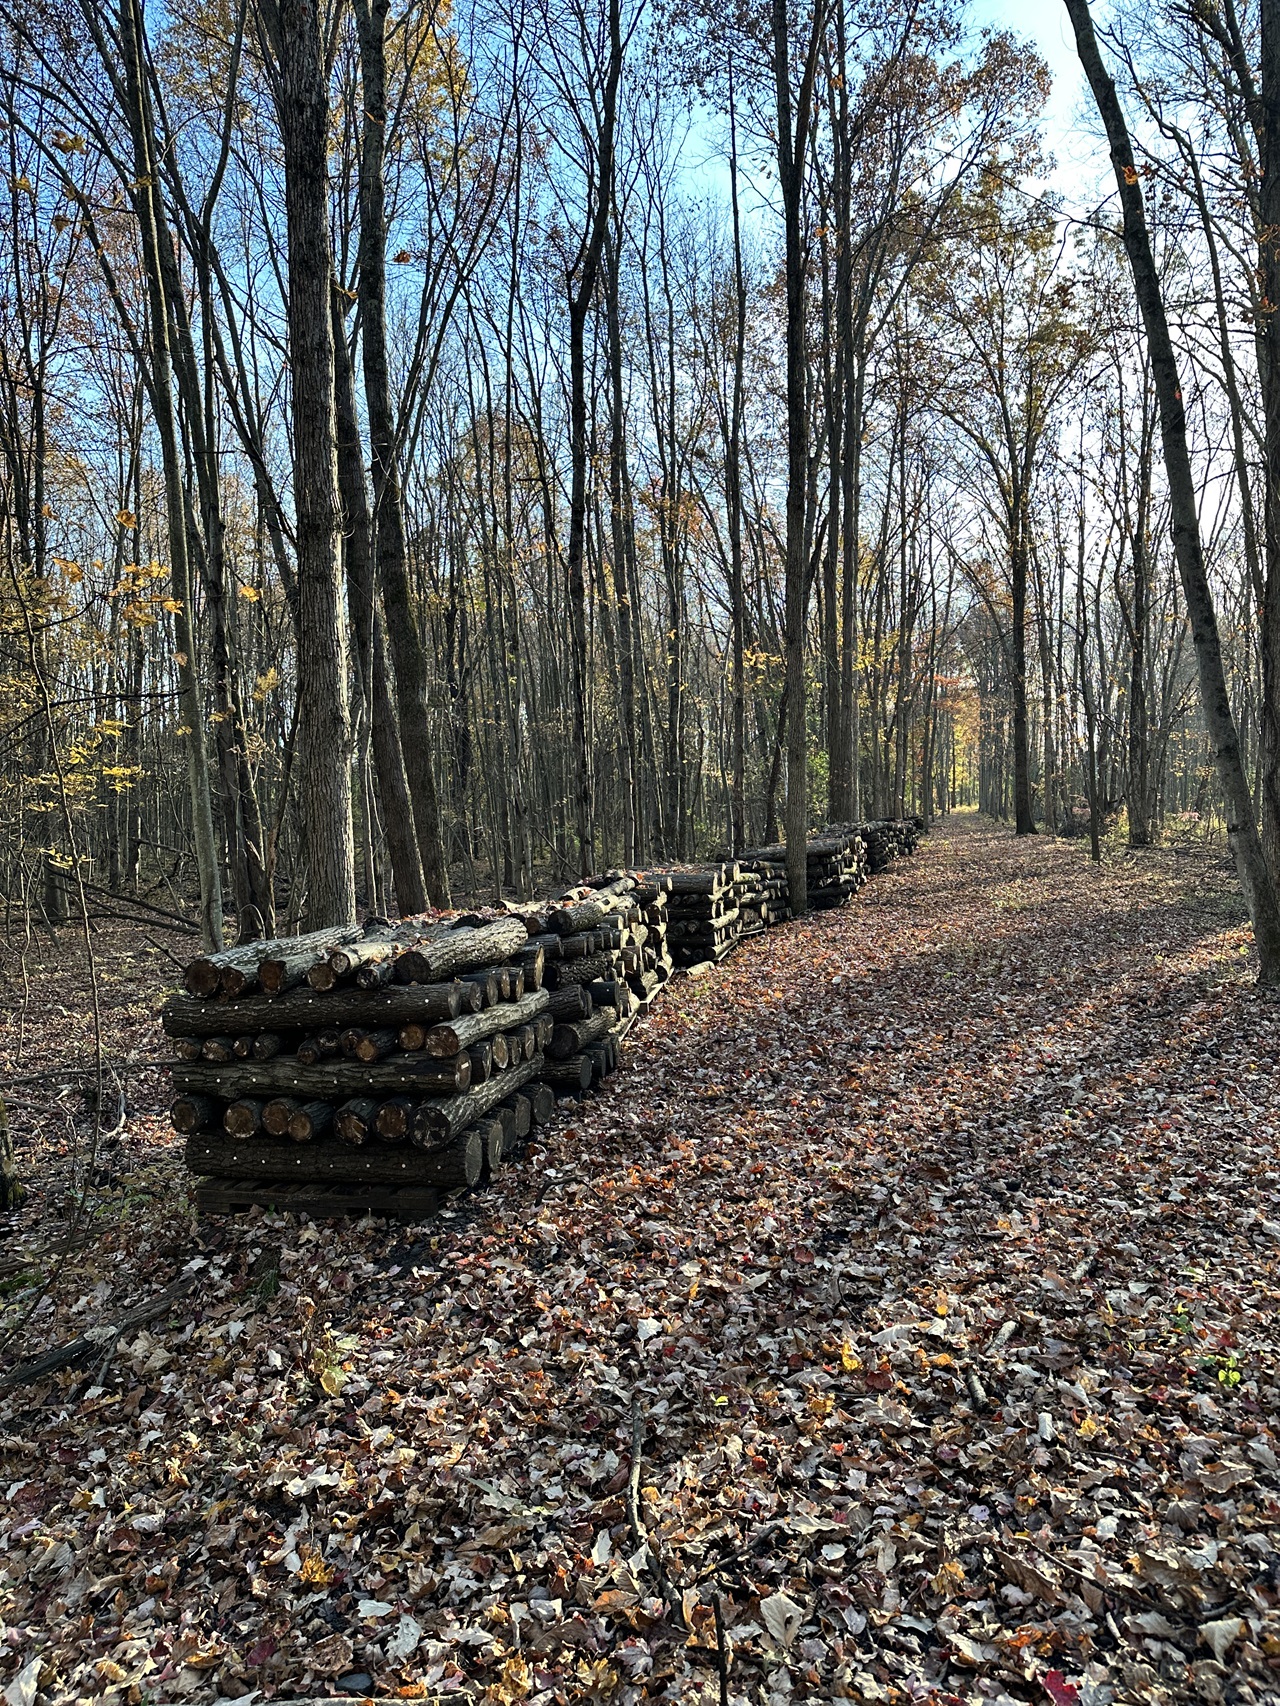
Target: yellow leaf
126,518
333,1381
1088,1427
251,593
850,1361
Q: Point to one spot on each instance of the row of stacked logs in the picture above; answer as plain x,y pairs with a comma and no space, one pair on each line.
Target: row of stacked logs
374,1066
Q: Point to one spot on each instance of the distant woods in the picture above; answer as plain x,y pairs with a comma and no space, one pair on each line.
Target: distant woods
443,452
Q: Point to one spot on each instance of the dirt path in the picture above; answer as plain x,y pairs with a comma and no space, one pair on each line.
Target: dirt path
928,1248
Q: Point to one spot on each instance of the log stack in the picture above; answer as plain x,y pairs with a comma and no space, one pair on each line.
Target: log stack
837,866
360,1061
373,1067
886,839
704,915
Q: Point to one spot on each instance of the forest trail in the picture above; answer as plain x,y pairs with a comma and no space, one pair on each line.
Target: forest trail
929,1246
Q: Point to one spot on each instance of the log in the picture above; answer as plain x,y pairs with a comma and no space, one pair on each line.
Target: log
277,1114
375,951
461,950
585,970
499,1052
235,970
354,1120
284,963
573,1074
312,1050
610,992
243,1118
572,1002
572,1038
488,983
492,1137
374,1045
394,1118
531,960
520,1124
481,1056
436,1122
305,1010
190,1113
581,915
458,1034
218,1049
331,1161
310,1122
187,1048
400,1074
542,1103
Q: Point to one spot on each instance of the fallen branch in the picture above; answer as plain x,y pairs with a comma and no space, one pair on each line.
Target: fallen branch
639,1534
90,1345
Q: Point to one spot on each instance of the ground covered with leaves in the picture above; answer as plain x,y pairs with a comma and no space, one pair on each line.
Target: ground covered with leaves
899,1325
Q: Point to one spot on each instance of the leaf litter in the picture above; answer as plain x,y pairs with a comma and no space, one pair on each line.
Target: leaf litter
900,1325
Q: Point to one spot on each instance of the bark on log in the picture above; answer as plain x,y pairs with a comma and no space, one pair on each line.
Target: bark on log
379,949
310,1122
438,1121
481,1056
405,1074
572,1002
305,1010
204,976
487,981
570,1039
581,915
583,971
458,1034
573,1074
449,1167
492,1135
461,950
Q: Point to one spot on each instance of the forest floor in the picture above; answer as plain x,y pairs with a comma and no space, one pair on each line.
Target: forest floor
901,1324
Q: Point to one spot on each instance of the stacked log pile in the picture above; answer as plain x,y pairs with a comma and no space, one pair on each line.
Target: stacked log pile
370,1060
704,911
838,863
372,1067
605,957
886,839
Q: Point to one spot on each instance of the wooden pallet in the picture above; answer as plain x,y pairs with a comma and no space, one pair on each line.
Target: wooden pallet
237,1196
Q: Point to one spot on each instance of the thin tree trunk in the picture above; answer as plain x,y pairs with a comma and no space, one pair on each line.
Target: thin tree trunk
324,724
190,696
1242,830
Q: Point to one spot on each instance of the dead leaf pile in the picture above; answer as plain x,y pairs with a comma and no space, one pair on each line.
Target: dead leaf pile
928,1250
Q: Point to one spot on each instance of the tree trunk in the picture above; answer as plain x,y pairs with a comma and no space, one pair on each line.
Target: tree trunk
370,641
1242,830
408,653
190,696
792,136
324,725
